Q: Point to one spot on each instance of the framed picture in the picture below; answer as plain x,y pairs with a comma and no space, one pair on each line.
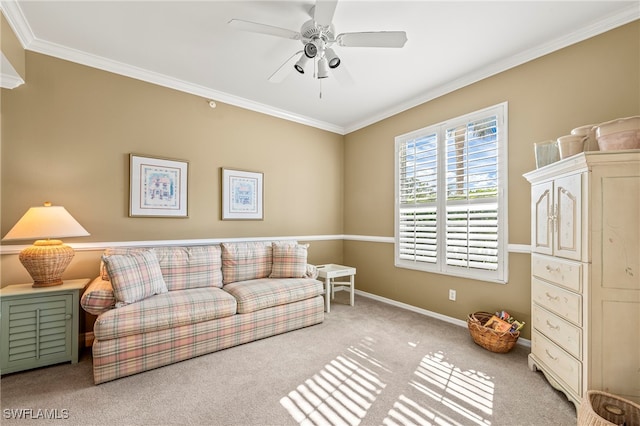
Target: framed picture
158,187
242,193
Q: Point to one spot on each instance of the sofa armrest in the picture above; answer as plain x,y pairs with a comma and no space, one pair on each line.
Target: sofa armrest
98,297
312,272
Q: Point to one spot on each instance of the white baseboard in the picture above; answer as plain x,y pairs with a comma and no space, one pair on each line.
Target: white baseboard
455,321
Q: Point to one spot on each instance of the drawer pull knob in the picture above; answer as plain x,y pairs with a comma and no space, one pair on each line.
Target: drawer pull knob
68,317
550,356
553,327
550,269
550,297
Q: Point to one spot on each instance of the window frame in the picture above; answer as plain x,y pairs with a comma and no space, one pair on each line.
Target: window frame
440,266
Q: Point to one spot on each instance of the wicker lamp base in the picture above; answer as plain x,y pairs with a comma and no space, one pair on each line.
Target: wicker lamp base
46,261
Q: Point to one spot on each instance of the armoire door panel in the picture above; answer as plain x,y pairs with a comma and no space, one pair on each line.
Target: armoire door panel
568,211
620,232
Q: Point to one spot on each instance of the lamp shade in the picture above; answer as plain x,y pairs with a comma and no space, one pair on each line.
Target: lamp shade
47,258
46,222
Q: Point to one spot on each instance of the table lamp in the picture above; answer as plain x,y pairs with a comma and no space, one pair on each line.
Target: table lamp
47,258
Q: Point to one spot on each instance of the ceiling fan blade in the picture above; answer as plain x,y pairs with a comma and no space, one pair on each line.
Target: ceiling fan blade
254,27
373,39
284,70
324,10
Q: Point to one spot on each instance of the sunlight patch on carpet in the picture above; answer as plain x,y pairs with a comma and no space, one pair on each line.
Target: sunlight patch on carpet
444,394
340,393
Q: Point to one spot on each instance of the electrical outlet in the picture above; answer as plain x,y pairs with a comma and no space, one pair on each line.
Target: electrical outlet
452,294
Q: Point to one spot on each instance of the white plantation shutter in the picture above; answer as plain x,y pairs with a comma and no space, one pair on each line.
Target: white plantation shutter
418,185
450,208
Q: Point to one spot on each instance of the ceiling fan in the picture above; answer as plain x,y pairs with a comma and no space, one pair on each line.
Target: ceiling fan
318,36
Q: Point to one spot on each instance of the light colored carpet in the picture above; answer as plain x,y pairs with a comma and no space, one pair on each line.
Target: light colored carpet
371,364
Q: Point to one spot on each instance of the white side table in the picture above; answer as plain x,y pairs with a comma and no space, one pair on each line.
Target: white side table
329,273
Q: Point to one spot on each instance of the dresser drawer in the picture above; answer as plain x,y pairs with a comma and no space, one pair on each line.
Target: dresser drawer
562,365
566,335
559,271
566,304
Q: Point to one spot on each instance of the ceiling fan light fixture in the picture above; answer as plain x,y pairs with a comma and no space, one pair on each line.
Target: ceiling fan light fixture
323,68
299,65
332,58
310,50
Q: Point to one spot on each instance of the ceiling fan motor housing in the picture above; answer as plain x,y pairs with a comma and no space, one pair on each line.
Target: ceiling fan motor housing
315,38
311,31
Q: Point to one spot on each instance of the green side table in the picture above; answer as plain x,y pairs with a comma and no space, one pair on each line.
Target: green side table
39,326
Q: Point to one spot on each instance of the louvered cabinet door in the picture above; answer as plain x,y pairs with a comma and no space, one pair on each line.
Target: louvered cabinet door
36,331
39,326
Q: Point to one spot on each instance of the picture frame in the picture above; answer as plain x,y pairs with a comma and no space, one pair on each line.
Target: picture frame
242,195
158,187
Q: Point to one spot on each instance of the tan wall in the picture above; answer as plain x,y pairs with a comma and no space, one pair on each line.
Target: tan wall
66,138
590,82
67,133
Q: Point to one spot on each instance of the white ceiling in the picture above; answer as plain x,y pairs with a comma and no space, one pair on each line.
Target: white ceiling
189,46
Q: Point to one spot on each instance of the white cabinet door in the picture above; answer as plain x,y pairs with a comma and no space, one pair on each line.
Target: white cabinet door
541,218
556,212
567,241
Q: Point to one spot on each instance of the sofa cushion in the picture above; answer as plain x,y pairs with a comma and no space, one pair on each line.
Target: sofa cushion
134,276
169,310
254,295
98,297
182,267
289,260
190,267
246,261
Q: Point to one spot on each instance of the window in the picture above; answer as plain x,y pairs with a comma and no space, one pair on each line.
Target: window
451,181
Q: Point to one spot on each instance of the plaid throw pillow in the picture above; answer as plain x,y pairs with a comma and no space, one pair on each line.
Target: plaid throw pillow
289,260
134,276
116,250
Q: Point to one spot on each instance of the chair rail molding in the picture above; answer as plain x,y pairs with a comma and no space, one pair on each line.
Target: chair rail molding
101,245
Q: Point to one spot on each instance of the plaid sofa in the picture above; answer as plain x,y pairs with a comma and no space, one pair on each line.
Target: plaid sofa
158,306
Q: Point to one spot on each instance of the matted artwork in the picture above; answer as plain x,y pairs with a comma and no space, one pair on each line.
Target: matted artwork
242,193
158,187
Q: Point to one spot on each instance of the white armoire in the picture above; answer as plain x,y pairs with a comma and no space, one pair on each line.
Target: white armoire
585,273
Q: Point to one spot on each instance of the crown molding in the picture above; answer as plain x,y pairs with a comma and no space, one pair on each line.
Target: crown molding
23,31
94,61
17,21
30,42
10,81
607,23
9,77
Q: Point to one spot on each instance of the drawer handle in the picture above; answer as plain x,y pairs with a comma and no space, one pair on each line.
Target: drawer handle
552,327
68,317
550,297
550,269
551,356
